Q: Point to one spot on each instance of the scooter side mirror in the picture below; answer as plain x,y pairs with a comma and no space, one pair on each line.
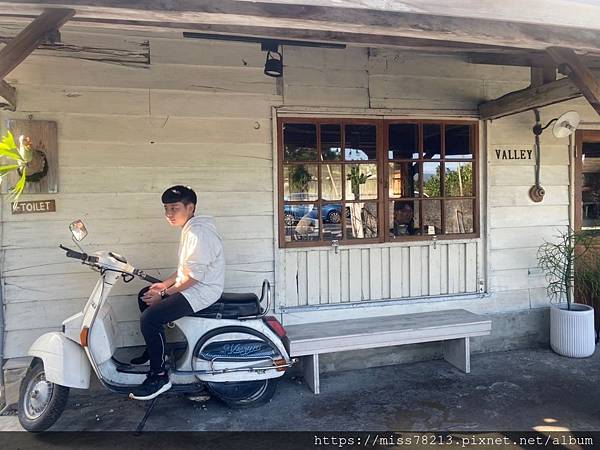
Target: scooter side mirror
78,230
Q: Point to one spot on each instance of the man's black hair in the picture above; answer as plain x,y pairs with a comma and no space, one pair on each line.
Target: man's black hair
402,204
183,194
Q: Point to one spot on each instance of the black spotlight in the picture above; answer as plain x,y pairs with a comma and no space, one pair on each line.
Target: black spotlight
274,62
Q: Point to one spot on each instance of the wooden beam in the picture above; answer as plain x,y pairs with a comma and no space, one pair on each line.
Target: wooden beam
311,17
532,97
563,13
9,94
542,75
582,76
27,40
524,59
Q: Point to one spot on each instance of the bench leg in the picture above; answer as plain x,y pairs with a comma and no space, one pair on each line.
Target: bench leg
310,370
458,353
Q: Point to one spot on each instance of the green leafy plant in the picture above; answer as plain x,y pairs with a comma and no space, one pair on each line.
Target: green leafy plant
570,262
19,156
300,178
357,178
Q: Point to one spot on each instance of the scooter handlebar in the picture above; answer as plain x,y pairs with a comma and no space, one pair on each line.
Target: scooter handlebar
77,255
144,276
73,254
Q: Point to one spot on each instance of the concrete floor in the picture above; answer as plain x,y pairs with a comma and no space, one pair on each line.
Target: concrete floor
516,390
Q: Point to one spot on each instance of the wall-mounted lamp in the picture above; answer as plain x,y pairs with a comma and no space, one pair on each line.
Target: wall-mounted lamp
564,126
274,61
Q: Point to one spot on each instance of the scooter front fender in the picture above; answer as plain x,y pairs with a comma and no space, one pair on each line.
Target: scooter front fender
65,362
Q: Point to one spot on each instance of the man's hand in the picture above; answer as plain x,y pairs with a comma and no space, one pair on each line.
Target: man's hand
157,287
151,299
152,296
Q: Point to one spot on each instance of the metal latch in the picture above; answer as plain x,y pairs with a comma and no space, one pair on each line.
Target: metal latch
336,245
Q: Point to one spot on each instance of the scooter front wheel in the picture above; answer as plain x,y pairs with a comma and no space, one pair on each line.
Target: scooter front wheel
244,394
41,402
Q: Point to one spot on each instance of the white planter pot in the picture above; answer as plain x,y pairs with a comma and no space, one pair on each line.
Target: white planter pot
572,331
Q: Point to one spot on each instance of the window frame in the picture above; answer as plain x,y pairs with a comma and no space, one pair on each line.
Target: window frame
382,162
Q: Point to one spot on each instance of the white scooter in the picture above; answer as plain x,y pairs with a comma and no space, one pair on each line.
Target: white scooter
232,347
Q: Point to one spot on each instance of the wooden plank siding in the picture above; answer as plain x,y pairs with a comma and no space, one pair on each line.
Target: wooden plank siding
517,225
201,113
198,115
407,272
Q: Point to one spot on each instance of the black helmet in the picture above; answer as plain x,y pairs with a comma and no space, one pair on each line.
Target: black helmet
183,194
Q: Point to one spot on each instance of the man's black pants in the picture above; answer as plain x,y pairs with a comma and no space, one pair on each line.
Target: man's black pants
152,320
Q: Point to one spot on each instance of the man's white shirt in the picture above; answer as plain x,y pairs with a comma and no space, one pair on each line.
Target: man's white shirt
201,257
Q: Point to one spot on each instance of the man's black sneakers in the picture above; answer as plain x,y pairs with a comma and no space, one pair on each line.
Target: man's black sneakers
153,386
142,359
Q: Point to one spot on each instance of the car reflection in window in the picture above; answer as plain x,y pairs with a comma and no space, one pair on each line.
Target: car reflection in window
332,213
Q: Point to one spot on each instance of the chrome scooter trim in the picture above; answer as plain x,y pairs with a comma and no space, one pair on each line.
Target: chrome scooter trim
239,369
266,285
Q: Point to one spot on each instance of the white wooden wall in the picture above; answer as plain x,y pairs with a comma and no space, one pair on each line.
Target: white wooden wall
385,83
365,273
517,225
199,115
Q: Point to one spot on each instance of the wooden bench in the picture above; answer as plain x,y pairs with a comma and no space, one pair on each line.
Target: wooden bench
452,327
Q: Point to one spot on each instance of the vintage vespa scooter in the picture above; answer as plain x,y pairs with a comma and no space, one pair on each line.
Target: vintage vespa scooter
232,347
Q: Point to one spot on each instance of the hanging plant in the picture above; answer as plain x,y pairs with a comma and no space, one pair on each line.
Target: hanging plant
300,178
22,155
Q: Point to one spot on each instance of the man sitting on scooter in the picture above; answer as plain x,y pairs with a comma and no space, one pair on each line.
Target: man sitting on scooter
197,284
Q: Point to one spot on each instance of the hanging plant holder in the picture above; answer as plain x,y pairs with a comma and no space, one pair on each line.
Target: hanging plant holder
37,168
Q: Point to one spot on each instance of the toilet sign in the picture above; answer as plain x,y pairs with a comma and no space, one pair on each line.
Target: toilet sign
37,206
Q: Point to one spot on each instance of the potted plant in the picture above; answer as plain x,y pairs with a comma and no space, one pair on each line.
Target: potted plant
568,262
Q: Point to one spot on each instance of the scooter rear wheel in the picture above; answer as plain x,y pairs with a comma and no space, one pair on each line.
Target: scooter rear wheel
244,394
41,402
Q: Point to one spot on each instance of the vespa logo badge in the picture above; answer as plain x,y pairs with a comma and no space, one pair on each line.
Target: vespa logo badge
242,349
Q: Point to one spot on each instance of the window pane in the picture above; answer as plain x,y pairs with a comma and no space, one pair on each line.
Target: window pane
361,181
432,216
431,179
331,142
331,184
432,141
403,179
300,142
362,223
590,186
403,141
361,142
402,218
458,179
458,143
300,182
459,216
301,222
332,220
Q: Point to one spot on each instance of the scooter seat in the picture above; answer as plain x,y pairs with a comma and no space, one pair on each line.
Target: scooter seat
231,306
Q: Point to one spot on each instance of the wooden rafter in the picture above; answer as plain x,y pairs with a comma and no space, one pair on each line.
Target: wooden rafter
27,40
21,46
532,97
582,76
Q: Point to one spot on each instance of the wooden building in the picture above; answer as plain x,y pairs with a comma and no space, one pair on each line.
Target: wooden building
432,107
